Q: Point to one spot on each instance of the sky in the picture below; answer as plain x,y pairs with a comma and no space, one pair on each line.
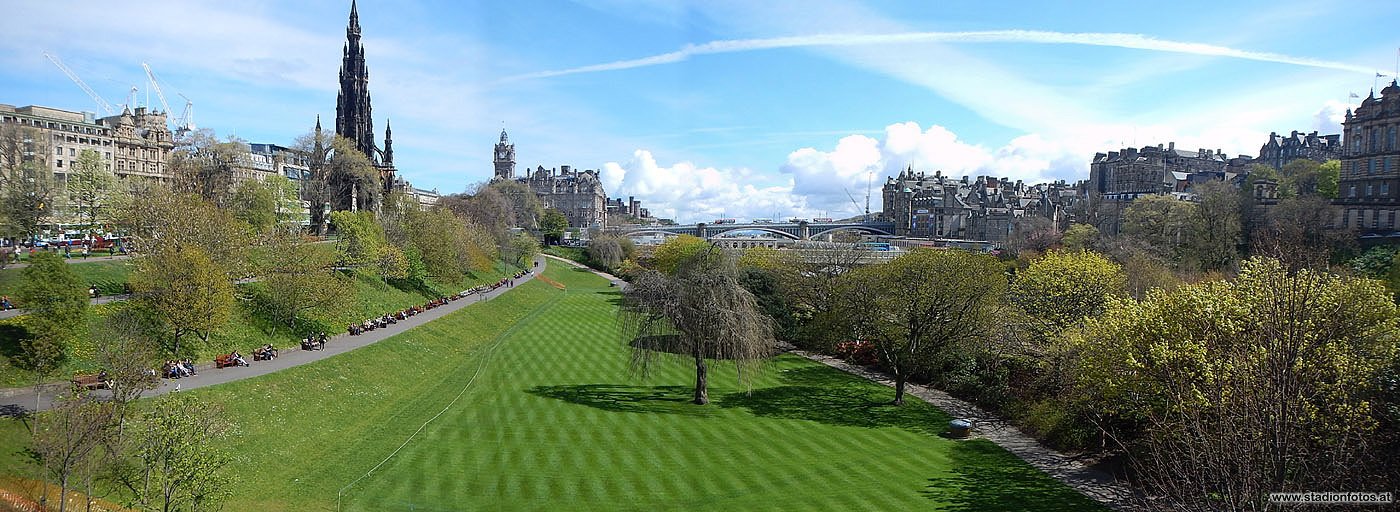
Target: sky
718,108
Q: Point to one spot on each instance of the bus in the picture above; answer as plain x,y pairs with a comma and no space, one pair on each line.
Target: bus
725,221
822,219
876,246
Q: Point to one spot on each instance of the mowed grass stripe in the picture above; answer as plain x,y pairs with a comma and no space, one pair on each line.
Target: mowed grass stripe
555,422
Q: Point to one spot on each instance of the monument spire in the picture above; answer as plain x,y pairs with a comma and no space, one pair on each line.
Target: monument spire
353,115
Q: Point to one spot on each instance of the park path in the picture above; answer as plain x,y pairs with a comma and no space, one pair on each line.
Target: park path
15,401
1097,484
78,258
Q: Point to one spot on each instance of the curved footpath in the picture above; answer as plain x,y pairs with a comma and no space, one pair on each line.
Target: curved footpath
15,401
1089,481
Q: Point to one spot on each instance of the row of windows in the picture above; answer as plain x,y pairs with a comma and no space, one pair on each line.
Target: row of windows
1373,219
1370,190
56,126
1377,138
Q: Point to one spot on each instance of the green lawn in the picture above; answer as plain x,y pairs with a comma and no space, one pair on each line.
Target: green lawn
109,276
539,413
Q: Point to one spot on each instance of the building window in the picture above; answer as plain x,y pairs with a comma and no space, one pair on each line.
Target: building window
1390,139
60,152
1351,192
1368,191
60,163
1385,188
72,151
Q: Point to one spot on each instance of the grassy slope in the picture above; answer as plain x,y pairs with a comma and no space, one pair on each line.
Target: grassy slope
244,331
553,421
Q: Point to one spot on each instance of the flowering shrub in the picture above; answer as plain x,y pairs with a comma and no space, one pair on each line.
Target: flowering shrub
857,352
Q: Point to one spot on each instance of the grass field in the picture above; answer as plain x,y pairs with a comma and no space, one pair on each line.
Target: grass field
538,413
109,276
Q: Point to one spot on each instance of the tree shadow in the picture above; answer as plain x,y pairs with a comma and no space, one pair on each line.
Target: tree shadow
827,396
11,336
982,476
623,398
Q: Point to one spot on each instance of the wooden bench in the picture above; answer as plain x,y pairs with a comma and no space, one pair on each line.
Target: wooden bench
225,360
89,382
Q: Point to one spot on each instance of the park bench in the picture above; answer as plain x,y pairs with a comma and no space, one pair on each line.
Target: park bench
225,360
89,382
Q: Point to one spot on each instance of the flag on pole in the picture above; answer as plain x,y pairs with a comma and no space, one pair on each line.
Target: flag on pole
1353,95
1379,75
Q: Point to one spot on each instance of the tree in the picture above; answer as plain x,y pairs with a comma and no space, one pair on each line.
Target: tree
606,251
668,257
523,248
525,208
1298,231
700,312
361,238
552,226
70,442
186,290
180,454
1033,234
163,220
486,207
352,181
1214,225
267,204
918,306
1080,237
57,301
301,278
1225,391
91,189
204,165
27,186
1328,175
316,145
1159,223
1063,288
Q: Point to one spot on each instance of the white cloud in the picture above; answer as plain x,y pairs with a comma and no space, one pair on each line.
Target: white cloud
1328,119
833,182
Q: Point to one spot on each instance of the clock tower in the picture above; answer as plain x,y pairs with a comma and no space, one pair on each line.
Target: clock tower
505,158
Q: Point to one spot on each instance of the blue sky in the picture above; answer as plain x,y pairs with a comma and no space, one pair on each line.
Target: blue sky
731,108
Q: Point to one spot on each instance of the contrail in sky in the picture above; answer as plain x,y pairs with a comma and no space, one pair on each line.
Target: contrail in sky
1109,39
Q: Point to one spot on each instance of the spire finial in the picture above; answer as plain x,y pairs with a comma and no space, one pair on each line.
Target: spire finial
354,19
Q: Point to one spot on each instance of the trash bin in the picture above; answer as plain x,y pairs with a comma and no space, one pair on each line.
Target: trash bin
959,428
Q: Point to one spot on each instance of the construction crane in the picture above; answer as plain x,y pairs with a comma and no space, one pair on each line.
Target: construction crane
186,121
156,86
101,103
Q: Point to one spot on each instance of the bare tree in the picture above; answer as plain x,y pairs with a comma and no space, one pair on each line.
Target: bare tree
701,312
69,441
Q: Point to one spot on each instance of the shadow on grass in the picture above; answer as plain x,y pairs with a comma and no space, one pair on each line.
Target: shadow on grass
847,406
982,476
10,337
623,398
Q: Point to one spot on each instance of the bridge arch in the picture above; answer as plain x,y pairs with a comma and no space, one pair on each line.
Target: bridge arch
715,233
858,228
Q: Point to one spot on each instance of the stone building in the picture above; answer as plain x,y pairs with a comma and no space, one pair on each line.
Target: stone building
1368,185
133,143
1158,170
1283,149
985,208
577,194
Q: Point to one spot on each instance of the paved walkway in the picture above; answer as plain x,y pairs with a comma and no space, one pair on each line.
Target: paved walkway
1094,483
105,299
14,401
76,258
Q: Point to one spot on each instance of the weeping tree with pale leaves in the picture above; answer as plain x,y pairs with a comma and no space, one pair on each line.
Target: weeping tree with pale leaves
700,312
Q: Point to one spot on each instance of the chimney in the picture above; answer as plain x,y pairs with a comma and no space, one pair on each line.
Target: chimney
1171,146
